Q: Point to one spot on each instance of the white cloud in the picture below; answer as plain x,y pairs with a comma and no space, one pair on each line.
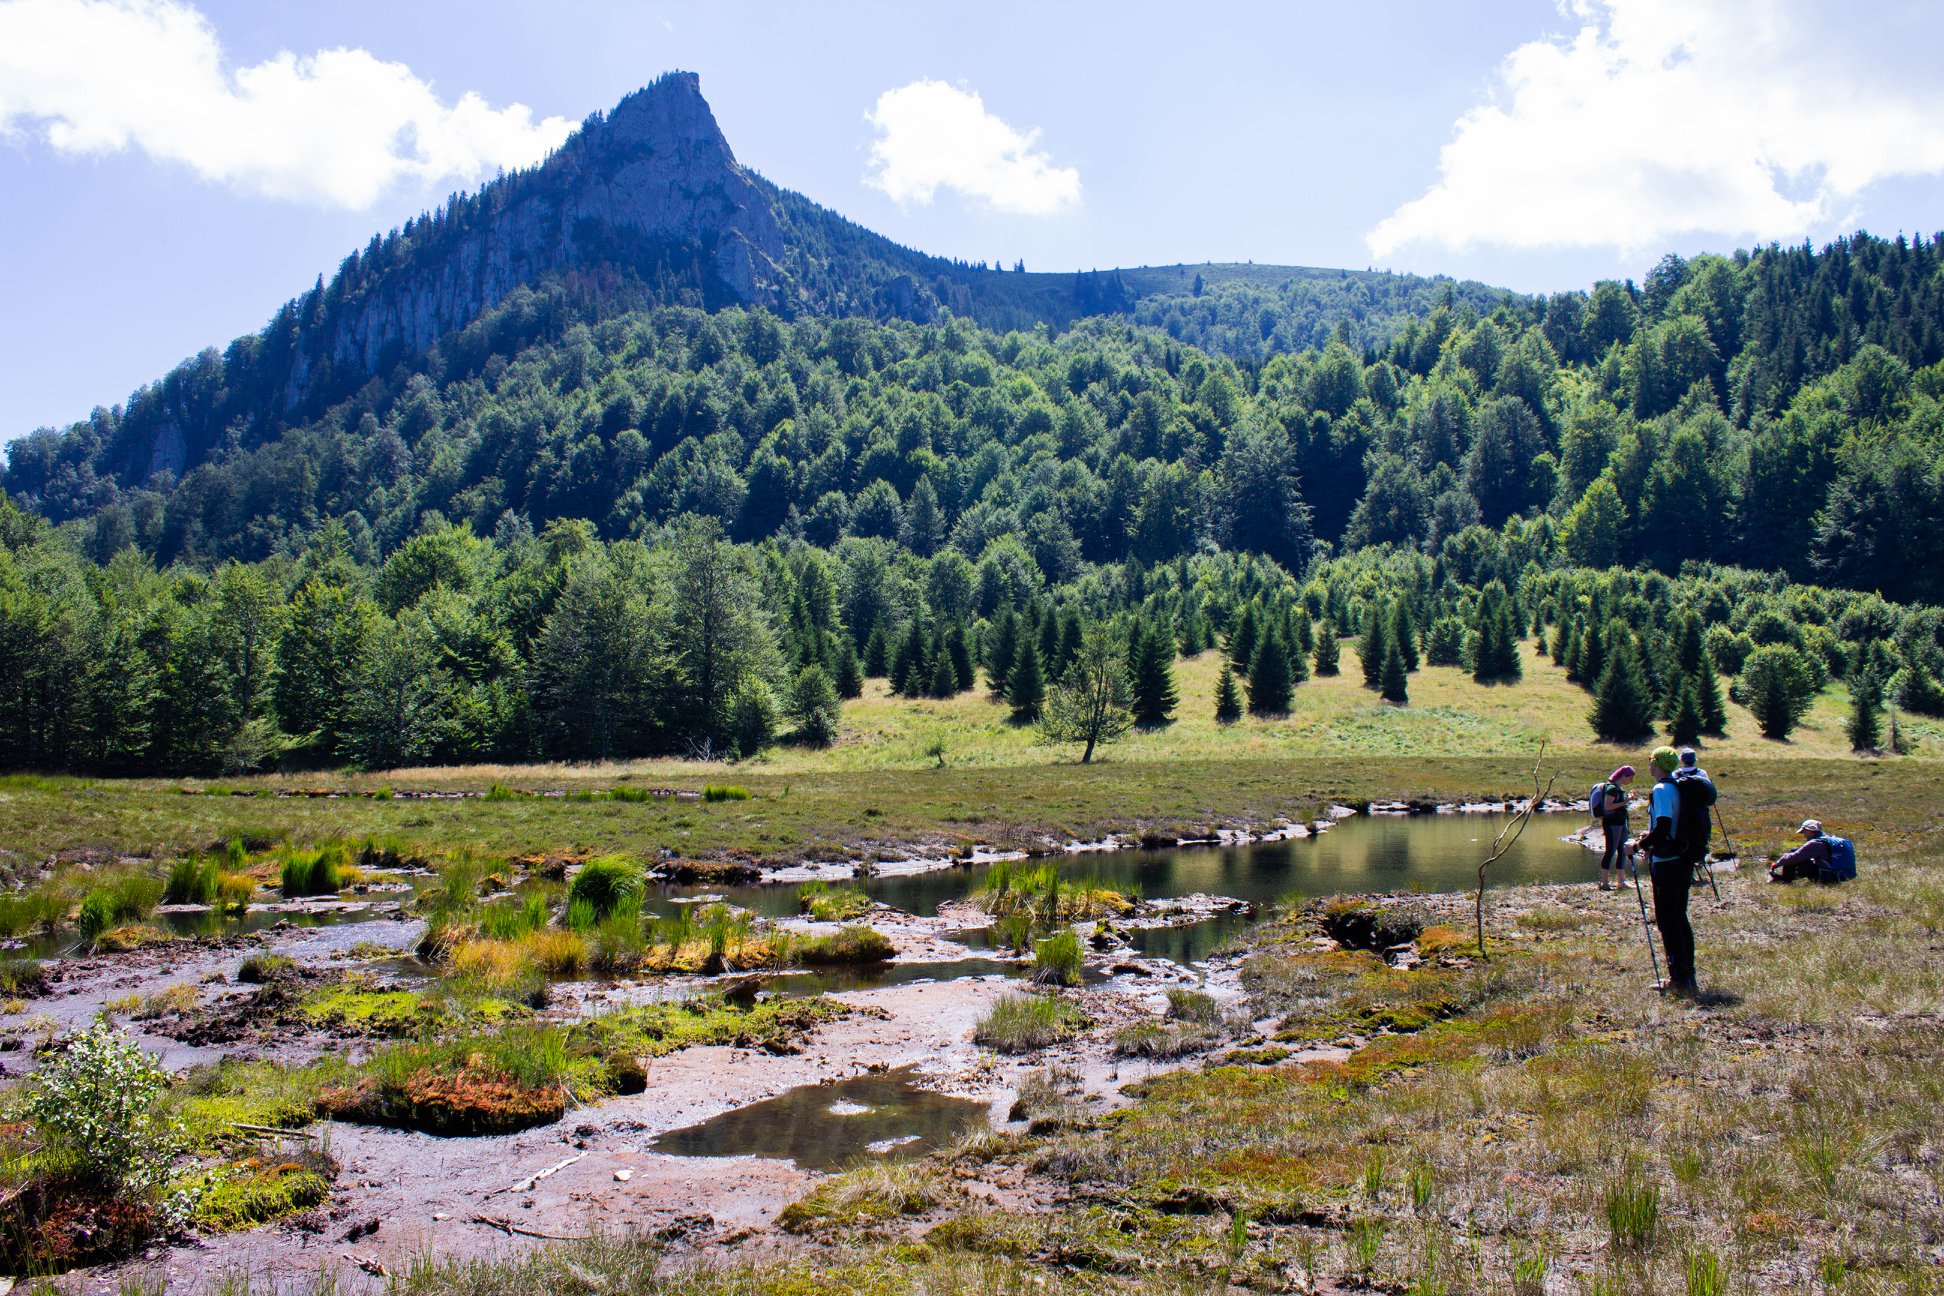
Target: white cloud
338,127
1763,119
935,136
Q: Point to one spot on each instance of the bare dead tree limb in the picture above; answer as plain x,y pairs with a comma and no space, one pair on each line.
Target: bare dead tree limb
1508,836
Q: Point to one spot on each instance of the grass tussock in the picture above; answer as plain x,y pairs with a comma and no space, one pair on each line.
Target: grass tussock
826,903
872,1195
1024,1023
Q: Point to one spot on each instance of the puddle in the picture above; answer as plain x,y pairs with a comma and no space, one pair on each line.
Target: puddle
829,1127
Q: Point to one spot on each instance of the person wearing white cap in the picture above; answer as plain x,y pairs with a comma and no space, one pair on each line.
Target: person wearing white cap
1810,860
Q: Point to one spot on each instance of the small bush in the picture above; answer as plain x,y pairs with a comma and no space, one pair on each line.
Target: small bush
1020,1023
96,1101
728,792
604,885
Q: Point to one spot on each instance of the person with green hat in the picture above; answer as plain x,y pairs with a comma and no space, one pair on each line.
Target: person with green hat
1679,816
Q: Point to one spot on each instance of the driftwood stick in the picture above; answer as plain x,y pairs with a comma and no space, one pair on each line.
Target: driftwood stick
536,1177
270,1129
508,1226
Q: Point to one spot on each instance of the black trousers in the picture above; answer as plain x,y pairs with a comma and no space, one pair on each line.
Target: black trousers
1672,880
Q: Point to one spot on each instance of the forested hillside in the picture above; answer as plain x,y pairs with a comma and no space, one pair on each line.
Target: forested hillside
612,510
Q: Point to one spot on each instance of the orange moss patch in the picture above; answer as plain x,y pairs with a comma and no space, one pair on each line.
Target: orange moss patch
51,1225
465,1102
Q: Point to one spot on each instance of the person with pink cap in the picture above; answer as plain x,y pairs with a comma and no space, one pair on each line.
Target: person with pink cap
1607,803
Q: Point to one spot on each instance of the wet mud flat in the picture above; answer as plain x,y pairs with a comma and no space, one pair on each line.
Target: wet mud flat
720,1140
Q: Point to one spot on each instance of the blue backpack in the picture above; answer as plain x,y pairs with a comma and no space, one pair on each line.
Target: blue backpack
1842,859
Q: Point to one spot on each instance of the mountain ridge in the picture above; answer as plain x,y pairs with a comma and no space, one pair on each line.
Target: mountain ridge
645,204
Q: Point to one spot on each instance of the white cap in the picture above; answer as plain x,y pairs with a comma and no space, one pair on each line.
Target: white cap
1810,826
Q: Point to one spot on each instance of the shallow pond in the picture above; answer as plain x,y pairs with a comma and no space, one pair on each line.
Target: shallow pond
1368,853
831,1126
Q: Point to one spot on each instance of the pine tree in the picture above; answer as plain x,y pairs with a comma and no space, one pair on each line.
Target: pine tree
1070,638
1370,648
1296,654
1707,691
1271,687
1592,657
1000,651
944,680
1562,637
1866,711
1304,637
1404,634
1026,690
960,654
1688,644
1327,651
1623,706
1684,714
1049,640
1495,656
910,665
877,653
850,675
1228,699
1244,634
1394,685
1152,671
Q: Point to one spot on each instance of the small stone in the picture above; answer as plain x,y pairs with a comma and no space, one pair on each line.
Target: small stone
622,1176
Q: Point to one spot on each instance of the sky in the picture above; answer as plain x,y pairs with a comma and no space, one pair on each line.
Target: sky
173,170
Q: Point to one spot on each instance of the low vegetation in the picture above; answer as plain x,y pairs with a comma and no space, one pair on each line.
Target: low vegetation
1024,1023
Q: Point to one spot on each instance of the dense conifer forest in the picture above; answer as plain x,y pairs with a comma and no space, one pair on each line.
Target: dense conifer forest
570,532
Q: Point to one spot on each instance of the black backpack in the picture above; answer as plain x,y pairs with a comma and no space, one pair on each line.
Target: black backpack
1695,823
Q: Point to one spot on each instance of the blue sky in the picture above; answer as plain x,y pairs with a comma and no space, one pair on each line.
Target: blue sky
171,171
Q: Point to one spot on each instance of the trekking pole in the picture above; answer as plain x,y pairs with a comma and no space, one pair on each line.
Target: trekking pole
1708,872
1633,868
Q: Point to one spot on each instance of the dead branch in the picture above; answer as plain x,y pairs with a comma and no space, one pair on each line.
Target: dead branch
508,1226
1507,837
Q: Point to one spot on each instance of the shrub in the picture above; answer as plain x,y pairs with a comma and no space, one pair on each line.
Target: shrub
752,717
1056,960
1777,685
96,1101
1019,1023
604,885
729,792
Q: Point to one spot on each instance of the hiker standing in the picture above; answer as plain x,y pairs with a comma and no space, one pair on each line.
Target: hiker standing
1680,822
1608,804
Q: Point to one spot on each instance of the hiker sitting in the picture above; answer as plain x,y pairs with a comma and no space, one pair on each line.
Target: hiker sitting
1608,804
1820,858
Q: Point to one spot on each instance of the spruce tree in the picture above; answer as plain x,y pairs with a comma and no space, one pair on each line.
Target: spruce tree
1404,634
1688,645
1561,638
1623,706
1071,633
1394,685
1244,636
1684,713
1049,640
1328,653
944,680
911,664
1707,691
960,653
1026,690
1296,654
877,653
1592,659
1866,711
1228,699
1304,637
850,674
1155,696
1271,687
1370,648
1000,651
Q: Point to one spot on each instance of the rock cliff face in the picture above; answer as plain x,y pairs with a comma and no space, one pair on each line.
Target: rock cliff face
654,182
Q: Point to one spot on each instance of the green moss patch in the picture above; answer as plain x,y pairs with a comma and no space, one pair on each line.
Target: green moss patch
256,1191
